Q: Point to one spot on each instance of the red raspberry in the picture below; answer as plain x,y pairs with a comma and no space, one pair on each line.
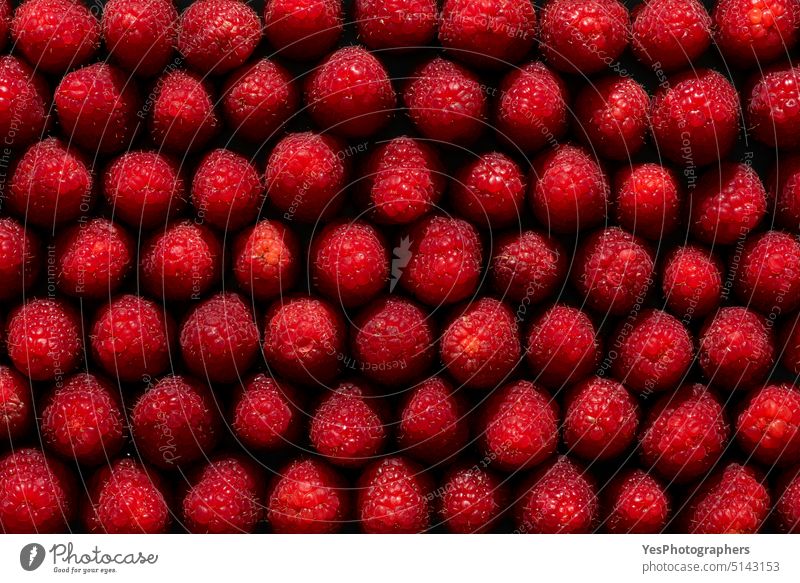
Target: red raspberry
24,102
140,34
752,32
347,428
784,191
306,176
350,93
491,34
307,497
395,24
349,263
519,426
37,494
54,35
670,34
583,36
432,421
132,338
769,425
182,262
528,266
5,21
685,433
790,344
227,191
471,500
446,102
51,185
182,114
303,29
648,200
613,270
16,409
393,498
439,260
175,422
45,339
392,341
266,260
82,420
480,347
737,349
219,338
695,117
20,258
637,504
768,272
772,111
562,346
92,258
304,339
600,419
266,414
490,191
786,513
692,281
559,500
568,190
259,99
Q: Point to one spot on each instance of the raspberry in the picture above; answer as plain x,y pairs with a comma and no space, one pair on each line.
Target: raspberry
51,185
685,433
768,272
303,29
613,271
16,408
227,191
432,421
132,338
392,341
396,24
92,258
216,36
490,191
568,190
347,427
350,93
691,281
600,419
637,504
784,191
562,346
670,34
140,34
175,422
472,499
304,339
37,494
695,117
306,175
219,338
54,35
787,508
769,425
488,34
737,348
259,99
181,263
648,199
527,266
266,414
443,260
752,32
349,263
393,498
20,258
446,102
82,420
182,114
5,22
772,112
24,102
790,344
266,260
519,426
481,346
583,36
45,339
307,497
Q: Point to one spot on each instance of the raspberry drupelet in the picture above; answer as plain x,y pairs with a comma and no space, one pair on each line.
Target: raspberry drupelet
182,114
266,415
769,425
527,266
394,498
16,407
771,108
266,260
691,281
637,504
472,500
786,513
396,24
432,422
648,200
753,32
303,29
490,191
20,258
24,102
768,272
784,192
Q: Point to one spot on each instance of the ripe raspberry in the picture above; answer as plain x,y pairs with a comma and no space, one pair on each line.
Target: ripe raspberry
20,258
392,341
562,346
446,102
695,117
182,114
472,499
670,34
396,24
24,102
784,191
432,421
583,36
37,494
519,426
768,272
304,339
303,29
444,257
648,200
350,93
568,190
266,260
140,34
685,433
16,409
737,349
789,344
637,504
182,262
772,112
266,414
752,32
82,420
769,425
227,191
490,191
786,513
55,35
527,266
613,270
691,281
132,338
489,34
45,339
349,262
393,498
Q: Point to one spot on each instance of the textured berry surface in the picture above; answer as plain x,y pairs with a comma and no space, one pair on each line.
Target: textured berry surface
691,281
750,32
182,113
527,267
472,501
20,258
303,29
670,34
490,191
16,408
772,110
140,34
266,414
432,424
394,498
769,425
648,200
265,259
396,24
637,504
24,97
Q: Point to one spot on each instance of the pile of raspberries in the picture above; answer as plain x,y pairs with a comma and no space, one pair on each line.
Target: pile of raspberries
395,266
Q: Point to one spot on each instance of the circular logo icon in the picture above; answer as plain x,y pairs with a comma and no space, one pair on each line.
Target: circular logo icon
31,556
